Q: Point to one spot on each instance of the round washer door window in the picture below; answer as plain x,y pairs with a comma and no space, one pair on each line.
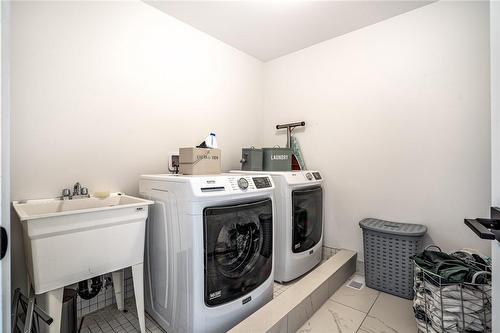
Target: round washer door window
238,243
237,248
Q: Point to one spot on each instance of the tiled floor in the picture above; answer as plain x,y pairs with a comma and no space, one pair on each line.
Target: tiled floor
364,311
111,320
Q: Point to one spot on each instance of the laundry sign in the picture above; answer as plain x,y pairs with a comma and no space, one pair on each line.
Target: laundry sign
277,159
280,157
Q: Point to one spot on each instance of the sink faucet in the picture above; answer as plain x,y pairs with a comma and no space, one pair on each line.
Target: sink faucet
77,189
78,192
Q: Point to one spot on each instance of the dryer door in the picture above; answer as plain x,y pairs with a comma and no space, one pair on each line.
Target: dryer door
238,243
307,218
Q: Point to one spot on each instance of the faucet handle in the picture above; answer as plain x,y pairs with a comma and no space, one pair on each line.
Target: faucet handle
84,191
66,193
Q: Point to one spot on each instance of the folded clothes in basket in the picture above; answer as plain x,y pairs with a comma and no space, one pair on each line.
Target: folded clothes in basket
450,319
449,325
453,297
449,268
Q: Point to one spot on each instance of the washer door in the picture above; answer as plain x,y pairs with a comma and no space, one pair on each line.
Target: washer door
307,218
238,243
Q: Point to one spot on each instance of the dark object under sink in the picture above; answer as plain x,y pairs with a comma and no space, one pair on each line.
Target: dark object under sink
486,228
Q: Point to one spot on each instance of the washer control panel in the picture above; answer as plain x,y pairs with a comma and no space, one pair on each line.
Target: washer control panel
243,183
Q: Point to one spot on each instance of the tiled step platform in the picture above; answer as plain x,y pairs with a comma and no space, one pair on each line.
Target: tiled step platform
315,288
294,306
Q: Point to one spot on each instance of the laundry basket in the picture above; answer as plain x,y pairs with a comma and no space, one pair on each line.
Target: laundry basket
441,306
388,247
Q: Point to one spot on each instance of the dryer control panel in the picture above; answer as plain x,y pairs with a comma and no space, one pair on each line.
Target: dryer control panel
302,177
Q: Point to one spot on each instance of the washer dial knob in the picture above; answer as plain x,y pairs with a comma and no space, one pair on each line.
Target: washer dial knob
243,183
309,176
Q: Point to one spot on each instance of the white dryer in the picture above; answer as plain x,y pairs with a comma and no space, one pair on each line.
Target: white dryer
209,249
298,222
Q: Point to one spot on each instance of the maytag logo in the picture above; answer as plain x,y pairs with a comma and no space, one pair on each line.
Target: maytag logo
216,294
246,300
279,157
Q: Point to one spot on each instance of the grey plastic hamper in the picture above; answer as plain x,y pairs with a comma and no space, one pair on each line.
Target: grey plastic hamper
388,247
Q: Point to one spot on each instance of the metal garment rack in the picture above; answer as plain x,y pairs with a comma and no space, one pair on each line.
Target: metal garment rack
289,128
31,311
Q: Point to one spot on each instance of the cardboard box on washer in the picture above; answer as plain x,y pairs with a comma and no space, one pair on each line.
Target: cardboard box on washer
199,161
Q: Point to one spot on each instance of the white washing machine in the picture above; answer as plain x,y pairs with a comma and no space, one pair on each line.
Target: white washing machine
209,249
298,222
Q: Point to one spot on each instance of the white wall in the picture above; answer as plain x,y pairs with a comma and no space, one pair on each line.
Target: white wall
103,91
397,119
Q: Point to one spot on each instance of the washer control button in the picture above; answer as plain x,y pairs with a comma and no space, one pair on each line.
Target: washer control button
243,183
317,176
309,176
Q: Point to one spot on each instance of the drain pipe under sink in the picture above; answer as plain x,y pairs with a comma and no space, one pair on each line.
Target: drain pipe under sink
83,288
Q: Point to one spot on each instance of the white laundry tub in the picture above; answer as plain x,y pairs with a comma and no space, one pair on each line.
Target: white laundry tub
67,241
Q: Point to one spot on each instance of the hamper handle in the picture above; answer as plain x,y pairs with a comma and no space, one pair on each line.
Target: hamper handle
477,274
433,246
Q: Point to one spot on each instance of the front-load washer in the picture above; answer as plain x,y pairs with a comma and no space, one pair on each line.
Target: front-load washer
298,221
209,249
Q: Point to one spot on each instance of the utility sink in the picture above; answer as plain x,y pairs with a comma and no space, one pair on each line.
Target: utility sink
36,209
67,241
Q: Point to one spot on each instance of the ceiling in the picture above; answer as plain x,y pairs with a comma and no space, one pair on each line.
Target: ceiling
273,28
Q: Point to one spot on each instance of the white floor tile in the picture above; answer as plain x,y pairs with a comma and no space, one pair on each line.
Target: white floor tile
334,317
361,300
112,320
390,314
